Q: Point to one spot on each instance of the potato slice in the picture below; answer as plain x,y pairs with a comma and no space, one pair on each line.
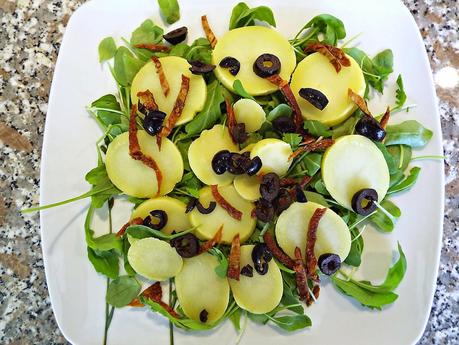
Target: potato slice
333,235
177,219
135,178
250,113
274,154
261,293
352,163
246,44
199,287
154,259
173,67
208,224
203,149
315,71
248,187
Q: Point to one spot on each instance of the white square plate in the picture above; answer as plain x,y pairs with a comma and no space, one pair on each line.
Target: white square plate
77,291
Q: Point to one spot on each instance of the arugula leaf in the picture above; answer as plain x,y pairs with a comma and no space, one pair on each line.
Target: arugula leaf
319,186
280,110
407,183
141,231
289,299
107,49
239,89
317,128
331,27
127,266
102,243
293,139
317,198
222,268
200,50
312,163
354,258
126,66
292,323
235,319
190,183
183,147
211,112
400,94
122,291
396,178
401,154
102,108
104,262
100,181
410,133
345,128
170,10
386,216
258,318
242,15
388,157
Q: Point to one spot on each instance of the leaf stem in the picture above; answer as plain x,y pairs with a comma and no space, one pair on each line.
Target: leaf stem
427,157
171,325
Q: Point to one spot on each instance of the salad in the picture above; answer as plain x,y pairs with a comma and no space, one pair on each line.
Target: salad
253,164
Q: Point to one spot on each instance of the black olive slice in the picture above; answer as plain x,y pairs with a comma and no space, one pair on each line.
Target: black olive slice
261,256
238,164
220,161
267,65
370,128
176,36
255,166
269,187
299,193
204,210
199,67
239,133
363,202
153,122
315,97
283,200
203,316
158,214
191,205
264,211
247,271
329,263
284,124
232,64
186,246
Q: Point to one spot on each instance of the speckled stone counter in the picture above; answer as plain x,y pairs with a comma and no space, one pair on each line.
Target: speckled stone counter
30,36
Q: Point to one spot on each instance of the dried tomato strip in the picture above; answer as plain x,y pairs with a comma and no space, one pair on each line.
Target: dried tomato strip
301,277
271,243
231,119
135,151
147,100
208,31
135,221
315,146
359,102
289,181
154,47
311,261
162,77
232,211
385,118
335,55
234,265
213,241
155,293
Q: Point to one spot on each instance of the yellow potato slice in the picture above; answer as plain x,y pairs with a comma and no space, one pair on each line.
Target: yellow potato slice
135,178
353,163
208,224
173,67
315,71
274,155
333,235
199,287
154,259
246,44
250,113
248,187
177,219
261,293
203,149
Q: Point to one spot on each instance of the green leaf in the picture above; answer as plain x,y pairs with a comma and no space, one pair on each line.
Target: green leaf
102,186
126,66
200,50
407,183
386,216
317,128
242,15
400,94
292,323
312,162
107,49
105,262
410,133
354,258
280,110
107,117
293,140
102,243
222,268
258,318
289,299
235,319
319,186
141,231
317,198
183,147
239,89
401,154
396,178
122,291
170,10
388,157
211,112
329,26
345,128
136,201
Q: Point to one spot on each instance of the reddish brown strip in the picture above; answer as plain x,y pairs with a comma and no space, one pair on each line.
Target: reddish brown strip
301,278
271,243
135,221
155,293
147,100
234,265
136,153
311,261
232,211
385,118
208,31
289,181
212,242
231,119
154,47
336,56
359,102
162,77
315,146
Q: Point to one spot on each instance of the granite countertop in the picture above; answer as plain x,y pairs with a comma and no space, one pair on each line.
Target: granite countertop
30,36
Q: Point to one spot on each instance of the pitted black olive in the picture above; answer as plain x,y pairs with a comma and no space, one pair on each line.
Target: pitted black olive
299,193
315,97
284,124
261,256
191,205
364,201
232,64
267,65
329,263
176,36
153,122
269,187
370,128
206,210
203,316
220,161
238,164
158,214
255,166
186,246
247,271
283,200
264,210
199,67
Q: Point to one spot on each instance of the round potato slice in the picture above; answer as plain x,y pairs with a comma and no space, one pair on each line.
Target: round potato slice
202,151
353,163
333,235
274,154
135,178
248,187
250,113
246,44
154,259
177,219
261,293
315,71
173,67
199,287
208,224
